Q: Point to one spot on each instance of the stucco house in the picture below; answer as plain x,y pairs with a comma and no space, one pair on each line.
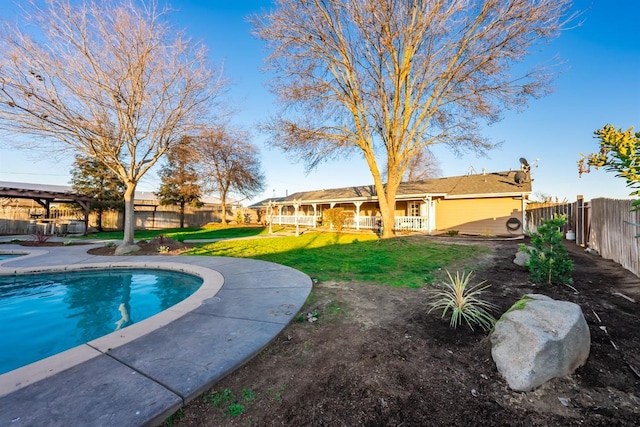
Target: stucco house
482,204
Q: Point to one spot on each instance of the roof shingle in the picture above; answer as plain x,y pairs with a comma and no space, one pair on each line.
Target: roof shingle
481,185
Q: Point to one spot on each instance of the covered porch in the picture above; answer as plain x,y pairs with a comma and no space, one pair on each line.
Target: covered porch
411,214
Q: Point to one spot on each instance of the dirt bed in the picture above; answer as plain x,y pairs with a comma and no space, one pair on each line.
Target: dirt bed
374,357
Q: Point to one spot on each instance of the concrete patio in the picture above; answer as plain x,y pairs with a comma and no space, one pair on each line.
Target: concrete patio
142,374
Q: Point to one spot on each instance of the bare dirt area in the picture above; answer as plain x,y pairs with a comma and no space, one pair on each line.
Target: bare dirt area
375,357
156,246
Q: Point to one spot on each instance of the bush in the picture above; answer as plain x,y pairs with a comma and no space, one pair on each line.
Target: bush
549,261
40,238
463,301
336,217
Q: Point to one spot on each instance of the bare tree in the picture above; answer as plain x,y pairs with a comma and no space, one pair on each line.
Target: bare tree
387,78
108,79
229,164
421,166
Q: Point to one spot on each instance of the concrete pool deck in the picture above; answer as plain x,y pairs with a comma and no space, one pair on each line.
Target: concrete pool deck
142,374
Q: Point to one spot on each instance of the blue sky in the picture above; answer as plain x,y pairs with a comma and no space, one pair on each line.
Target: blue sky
599,84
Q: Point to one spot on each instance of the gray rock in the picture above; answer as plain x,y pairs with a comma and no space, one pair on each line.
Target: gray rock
522,258
592,251
539,339
126,249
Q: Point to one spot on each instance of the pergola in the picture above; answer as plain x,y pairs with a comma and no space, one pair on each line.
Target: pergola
44,198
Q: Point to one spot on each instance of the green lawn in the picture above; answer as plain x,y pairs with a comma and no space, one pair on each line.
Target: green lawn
210,232
402,261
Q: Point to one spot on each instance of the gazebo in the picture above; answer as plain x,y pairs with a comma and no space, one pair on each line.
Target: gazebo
45,195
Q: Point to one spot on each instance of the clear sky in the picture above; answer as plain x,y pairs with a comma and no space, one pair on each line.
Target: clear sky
599,84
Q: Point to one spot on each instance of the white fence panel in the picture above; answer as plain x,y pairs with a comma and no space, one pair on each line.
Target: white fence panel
305,220
411,223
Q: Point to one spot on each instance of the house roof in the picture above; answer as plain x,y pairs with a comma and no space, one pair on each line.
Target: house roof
265,202
465,186
52,193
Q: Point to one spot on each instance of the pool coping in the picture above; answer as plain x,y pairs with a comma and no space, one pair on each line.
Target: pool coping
159,364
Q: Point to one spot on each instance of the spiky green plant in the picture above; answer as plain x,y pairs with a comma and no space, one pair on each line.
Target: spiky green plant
464,302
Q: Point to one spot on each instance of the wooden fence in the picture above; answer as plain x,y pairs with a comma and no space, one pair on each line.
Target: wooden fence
162,217
16,220
601,224
612,233
537,212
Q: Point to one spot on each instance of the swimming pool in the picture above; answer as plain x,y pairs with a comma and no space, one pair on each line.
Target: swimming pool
45,314
7,256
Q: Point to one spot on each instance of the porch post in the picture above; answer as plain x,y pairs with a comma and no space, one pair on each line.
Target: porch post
427,200
270,204
296,207
315,214
358,204
279,214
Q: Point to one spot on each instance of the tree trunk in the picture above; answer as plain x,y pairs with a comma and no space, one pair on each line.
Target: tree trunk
386,197
129,216
129,221
388,212
387,203
99,219
223,205
181,214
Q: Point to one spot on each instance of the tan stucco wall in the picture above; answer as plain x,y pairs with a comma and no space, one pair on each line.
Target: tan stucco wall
485,216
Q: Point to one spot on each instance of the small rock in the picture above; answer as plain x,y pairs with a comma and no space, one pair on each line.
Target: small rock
522,258
592,251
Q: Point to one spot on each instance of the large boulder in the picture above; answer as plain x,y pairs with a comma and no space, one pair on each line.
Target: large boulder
539,339
522,258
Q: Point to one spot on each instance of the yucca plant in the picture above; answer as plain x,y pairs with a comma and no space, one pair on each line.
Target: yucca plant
464,301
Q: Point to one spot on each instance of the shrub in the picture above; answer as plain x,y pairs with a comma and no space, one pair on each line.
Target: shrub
336,217
40,238
549,261
464,302
239,217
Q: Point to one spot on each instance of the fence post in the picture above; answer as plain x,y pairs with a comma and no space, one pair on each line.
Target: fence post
580,222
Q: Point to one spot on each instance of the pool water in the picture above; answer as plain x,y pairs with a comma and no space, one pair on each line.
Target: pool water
45,314
7,256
